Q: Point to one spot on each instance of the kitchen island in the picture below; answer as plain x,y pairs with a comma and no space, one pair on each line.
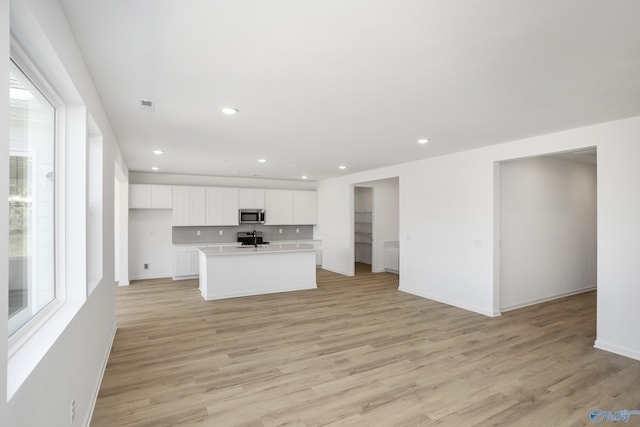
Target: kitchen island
236,271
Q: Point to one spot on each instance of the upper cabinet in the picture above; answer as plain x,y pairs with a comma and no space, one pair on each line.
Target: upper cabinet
188,205
221,206
305,207
287,207
250,198
145,196
218,206
202,206
278,206
161,197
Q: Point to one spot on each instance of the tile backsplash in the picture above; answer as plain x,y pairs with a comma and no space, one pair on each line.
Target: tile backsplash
270,233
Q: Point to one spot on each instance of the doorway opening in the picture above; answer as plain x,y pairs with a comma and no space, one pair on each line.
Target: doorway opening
121,227
376,226
547,228
363,229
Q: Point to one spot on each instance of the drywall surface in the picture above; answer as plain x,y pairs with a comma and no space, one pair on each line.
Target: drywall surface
619,240
447,230
150,234
217,181
548,230
71,367
386,208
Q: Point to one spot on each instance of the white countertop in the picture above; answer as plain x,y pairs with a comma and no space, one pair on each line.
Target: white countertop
215,245
251,250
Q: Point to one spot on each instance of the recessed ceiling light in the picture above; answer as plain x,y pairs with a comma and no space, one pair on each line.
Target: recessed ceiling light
155,168
229,111
303,177
342,167
158,152
423,141
262,160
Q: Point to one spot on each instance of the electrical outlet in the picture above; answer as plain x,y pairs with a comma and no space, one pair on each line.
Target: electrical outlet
297,230
197,232
280,230
146,266
73,411
220,232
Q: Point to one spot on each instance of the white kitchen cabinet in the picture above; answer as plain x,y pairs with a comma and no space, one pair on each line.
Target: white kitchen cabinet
186,262
287,207
305,207
161,197
139,196
146,196
188,205
317,245
278,205
250,198
221,206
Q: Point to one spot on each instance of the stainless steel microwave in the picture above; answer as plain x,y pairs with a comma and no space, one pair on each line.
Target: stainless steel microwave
251,216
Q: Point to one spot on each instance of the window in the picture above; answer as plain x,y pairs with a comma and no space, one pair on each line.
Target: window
32,284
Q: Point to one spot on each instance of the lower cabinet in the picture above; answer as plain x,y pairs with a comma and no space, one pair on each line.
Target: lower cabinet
186,259
317,245
186,262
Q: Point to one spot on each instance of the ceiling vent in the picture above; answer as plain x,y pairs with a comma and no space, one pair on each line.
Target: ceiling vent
146,105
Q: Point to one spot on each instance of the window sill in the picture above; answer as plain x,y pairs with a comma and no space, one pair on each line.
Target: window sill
24,359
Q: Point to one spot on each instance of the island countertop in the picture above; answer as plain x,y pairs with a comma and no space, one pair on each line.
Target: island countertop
251,250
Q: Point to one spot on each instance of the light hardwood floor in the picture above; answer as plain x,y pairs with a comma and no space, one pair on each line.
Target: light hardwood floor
354,352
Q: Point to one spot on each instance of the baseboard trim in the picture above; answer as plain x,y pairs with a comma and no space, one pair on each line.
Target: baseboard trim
338,271
612,348
253,293
184,278
94,397
123,283
449,302
547,298
150,276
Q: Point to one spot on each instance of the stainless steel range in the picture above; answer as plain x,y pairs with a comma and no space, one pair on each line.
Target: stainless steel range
251,238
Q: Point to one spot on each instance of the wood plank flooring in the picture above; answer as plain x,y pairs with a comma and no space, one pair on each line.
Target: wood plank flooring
354,352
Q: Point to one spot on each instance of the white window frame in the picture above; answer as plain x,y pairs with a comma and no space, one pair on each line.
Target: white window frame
26,331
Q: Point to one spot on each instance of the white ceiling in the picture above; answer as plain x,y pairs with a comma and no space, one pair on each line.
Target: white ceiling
323,83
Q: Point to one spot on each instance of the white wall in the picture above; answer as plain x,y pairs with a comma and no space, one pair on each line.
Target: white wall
121,227
618,237
72,366
386,209
548,230
150,243
217,181
447,230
